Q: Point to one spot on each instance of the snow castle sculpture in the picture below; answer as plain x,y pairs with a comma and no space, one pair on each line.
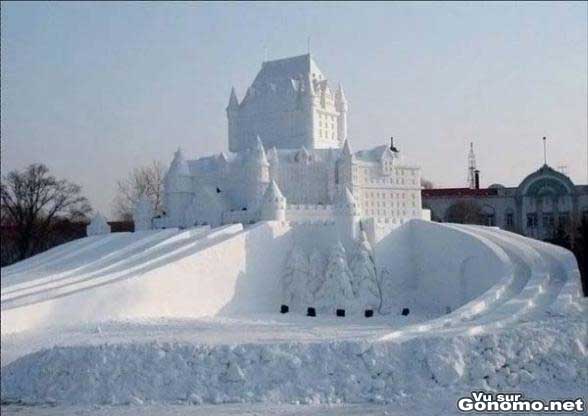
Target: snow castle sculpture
98,226
290,159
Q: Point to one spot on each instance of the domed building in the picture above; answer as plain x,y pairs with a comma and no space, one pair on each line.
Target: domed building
543,203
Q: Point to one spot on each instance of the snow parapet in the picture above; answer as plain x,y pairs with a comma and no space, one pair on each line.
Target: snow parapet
550,353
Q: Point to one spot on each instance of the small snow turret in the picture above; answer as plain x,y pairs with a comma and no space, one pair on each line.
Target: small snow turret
274,161
233,102
346,153
347,215
346,203
143,214
257,175
178,188
233,120
178,167
345,165
274,204
257,154
98,226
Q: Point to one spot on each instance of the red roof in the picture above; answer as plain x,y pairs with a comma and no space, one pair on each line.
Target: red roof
448,192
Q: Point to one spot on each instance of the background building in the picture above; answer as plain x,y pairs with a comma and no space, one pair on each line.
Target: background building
544,204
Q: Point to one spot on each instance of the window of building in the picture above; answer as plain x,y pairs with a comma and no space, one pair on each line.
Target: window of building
547,220
532,220
564,219
509,219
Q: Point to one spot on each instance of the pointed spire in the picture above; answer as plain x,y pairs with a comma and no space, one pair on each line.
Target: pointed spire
259,145
179,165
98,225
273,193
346,153
258,152
233,101
272,155
340,94
346,198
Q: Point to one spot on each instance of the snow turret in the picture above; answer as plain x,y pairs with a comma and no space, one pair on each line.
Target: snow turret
178,188
347,215
143,214
345,165
258,153
178,167
233,102
98,226
342,107
257,174
274,161
346,153
346,202
274,204
233,120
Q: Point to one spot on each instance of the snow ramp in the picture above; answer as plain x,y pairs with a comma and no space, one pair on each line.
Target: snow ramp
153,274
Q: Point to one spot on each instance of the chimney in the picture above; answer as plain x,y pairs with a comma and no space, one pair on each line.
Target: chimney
477,178
394,149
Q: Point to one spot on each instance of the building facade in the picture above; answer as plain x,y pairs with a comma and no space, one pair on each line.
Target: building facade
290,159
543,204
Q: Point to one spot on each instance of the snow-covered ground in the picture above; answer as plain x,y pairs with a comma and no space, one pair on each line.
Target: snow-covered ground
186,319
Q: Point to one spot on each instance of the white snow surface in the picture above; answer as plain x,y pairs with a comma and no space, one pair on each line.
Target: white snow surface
190,316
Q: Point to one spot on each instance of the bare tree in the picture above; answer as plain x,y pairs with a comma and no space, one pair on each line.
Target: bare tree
32,203
142,181
465,212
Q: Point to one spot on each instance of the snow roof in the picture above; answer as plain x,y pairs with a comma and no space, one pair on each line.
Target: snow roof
288,68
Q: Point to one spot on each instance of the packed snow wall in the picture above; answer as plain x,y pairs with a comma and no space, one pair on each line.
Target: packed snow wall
434,268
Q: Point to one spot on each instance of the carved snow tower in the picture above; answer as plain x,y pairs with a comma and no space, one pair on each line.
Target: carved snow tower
177,188
233,119
257,175
347,216
274,204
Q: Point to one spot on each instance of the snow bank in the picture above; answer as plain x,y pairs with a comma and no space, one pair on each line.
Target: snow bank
550,353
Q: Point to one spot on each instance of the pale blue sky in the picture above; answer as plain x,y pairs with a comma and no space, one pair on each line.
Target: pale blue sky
94,89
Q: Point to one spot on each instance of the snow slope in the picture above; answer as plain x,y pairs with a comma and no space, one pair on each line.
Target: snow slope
190,316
